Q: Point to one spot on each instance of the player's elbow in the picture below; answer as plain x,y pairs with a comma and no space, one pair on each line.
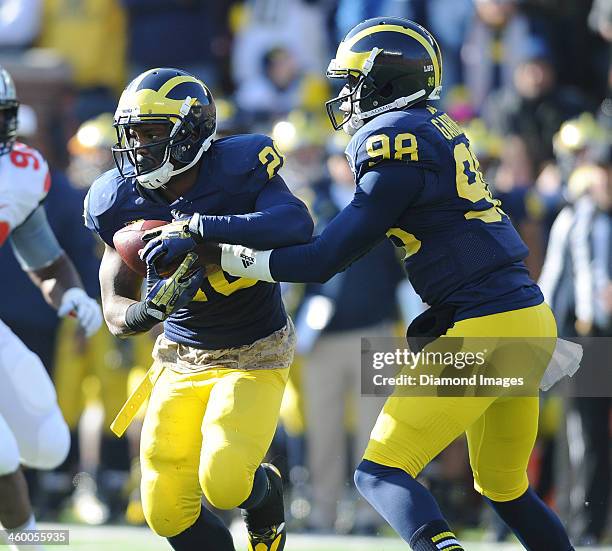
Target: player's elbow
120,332
117,328
305,226
299,226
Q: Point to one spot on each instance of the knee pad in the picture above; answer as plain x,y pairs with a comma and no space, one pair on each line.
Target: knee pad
27,378
167,510
499,486
368,475
362,479
9,452
49,446
163,525
225,479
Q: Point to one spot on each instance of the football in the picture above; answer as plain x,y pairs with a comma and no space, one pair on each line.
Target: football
128,242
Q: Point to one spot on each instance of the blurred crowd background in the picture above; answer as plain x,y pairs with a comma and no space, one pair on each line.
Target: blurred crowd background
529,80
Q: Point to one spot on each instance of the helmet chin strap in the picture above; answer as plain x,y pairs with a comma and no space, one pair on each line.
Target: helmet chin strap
399,103
161,176
358,119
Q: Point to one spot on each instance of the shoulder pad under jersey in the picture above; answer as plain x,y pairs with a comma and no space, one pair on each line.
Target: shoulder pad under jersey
24,183
244,162
394,136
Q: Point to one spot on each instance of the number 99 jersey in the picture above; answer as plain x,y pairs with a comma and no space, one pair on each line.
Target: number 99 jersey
24,183
460,247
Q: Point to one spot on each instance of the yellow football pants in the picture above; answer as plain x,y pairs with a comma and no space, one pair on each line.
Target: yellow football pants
292,407
501,431
205,432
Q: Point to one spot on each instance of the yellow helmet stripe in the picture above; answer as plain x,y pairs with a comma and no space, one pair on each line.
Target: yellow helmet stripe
399,29
351,60
156,101
150,102
175,81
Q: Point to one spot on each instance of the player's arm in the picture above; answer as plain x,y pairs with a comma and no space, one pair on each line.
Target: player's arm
383,193
120,288
280,219
124,313
48,266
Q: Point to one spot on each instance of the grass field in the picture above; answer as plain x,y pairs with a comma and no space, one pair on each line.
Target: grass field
120,538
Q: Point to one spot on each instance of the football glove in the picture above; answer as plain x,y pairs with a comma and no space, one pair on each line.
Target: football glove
167,295
85,309
170,242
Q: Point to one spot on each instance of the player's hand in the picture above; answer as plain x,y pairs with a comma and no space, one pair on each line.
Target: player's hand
77,303
168,243
167,295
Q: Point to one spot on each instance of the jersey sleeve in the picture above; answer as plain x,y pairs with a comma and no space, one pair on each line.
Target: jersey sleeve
278,219
267,159
246,163
392,137
380,198
34,243
24,185
99,207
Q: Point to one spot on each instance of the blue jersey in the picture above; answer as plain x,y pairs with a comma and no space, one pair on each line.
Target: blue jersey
419,183
237,185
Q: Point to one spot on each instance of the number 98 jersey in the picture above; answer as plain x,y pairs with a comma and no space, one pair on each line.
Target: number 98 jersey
24,183
460,247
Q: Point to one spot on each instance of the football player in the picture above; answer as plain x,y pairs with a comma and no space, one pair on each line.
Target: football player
419,183
32,429
221,365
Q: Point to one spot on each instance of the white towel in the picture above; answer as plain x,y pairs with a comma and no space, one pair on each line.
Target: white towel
565,362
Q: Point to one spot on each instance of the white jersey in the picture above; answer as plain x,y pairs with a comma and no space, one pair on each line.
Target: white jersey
24,183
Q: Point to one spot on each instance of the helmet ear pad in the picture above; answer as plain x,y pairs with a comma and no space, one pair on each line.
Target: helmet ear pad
386,91
384,85
192,133
380,87
183,150
367,94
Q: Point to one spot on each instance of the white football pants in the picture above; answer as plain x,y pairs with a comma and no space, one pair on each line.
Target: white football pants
32,429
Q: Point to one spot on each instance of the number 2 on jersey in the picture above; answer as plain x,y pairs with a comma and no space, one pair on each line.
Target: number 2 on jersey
271,159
